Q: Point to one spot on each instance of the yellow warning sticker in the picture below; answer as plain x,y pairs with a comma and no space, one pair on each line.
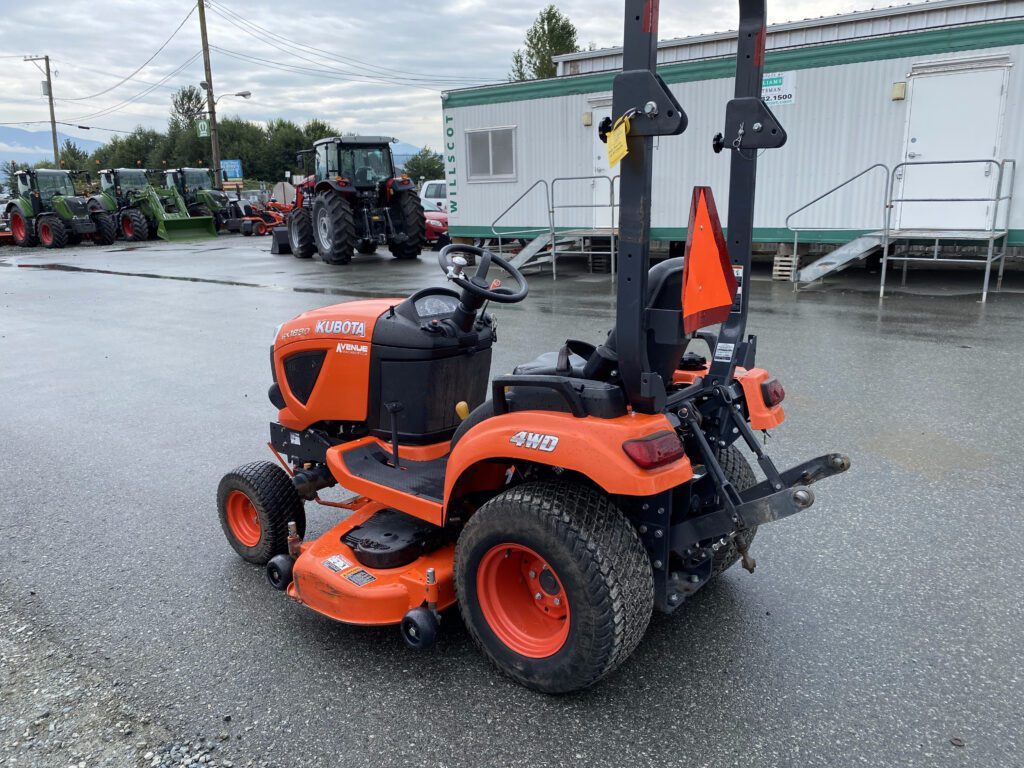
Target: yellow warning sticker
617,146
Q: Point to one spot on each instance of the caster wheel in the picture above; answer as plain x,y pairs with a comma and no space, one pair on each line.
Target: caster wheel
279,571
419,628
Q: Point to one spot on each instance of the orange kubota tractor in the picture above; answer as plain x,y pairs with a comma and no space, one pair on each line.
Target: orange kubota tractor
598,482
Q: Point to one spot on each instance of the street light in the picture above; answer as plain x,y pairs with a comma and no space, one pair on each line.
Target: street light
211,103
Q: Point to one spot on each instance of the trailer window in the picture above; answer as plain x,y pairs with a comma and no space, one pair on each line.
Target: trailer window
492,154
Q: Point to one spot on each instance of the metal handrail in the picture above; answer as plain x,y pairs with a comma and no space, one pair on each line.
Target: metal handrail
992,230
535,231
610,205
797,230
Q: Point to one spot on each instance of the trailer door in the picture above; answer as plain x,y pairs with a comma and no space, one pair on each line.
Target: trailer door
955,112
605,216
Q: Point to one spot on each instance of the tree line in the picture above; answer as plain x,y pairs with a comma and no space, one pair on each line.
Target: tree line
267,151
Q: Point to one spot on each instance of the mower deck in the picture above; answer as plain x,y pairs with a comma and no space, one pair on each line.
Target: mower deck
329,577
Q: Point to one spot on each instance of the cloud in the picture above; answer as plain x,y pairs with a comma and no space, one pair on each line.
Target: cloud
408,51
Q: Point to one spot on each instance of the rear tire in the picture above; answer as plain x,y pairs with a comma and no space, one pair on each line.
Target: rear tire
134,226
737,470
580,550
52,232
300,234
22,230
414,226
334,228
255,503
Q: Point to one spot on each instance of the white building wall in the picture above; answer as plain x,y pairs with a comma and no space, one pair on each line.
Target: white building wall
842,120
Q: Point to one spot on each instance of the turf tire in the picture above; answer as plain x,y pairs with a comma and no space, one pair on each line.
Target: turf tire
300,234
272,493
409,211
601,564
334,228
737,469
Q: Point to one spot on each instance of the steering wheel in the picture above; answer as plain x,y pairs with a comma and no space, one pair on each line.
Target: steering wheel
452,265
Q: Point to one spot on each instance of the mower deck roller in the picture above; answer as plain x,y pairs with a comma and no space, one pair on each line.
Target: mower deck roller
597,483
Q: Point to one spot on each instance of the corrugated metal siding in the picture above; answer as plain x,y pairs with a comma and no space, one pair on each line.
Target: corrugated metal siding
842,121
852,26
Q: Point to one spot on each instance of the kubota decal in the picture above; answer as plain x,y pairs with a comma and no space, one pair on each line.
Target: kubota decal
347,327
535,441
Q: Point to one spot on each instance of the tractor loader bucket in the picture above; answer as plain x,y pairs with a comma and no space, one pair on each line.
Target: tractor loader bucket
186,227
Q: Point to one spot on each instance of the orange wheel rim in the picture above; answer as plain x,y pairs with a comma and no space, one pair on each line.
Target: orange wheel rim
243,519
126,227
522,600
18,226
45,234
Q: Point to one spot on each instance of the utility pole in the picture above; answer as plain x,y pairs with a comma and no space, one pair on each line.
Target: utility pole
211,103
49,93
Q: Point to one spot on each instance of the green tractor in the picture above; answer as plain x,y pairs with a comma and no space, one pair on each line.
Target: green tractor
144,211
46,210
198,187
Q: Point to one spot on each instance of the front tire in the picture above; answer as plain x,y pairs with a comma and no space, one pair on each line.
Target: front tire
255,503
106,229
52,232
21,229
134,226
334,228
199,209
413,236
553,584
300,234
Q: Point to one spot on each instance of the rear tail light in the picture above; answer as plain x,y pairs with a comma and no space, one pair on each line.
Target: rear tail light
772,392
654,450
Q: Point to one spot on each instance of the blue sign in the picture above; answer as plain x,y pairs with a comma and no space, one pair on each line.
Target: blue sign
231,169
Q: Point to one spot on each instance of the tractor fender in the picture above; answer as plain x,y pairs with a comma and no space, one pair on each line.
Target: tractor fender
333,185
24,210
590,446
398,184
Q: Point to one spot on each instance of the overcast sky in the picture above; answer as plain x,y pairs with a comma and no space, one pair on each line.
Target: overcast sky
433,45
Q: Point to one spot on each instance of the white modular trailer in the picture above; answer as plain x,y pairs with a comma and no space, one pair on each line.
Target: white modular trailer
931,81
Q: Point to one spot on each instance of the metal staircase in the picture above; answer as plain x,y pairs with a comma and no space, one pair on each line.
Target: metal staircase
840,258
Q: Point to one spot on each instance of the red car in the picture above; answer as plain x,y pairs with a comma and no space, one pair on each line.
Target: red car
437,229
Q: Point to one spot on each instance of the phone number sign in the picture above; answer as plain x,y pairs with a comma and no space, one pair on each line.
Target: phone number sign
778,88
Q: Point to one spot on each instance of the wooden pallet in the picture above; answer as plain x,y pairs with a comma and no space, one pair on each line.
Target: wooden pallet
783,266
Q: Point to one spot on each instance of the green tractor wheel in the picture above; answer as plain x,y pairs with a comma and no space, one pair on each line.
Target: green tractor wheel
21,229
52,232
106,229
134,226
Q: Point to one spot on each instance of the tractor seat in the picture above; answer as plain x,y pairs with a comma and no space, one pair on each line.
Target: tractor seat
567,361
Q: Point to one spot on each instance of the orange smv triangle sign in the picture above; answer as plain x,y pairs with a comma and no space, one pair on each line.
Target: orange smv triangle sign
708,282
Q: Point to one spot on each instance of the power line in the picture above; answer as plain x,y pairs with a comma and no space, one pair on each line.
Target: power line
294,49
300,70
141,67
118,107
71,125
76,65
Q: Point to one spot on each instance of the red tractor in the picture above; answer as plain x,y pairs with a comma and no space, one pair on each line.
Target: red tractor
354,201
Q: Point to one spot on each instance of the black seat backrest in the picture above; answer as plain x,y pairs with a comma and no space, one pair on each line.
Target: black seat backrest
664,291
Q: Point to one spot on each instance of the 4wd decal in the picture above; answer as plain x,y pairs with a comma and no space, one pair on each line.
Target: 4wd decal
534,440
346,327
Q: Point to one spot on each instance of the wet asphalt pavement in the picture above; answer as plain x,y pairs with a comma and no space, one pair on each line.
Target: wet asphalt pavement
881,626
